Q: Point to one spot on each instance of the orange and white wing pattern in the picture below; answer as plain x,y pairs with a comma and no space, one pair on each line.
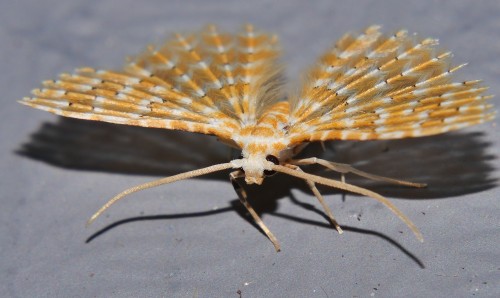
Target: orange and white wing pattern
374,86
207,82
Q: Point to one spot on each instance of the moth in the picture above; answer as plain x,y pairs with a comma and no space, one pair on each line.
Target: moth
369,86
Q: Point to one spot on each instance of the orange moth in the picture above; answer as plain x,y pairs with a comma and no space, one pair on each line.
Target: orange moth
366,87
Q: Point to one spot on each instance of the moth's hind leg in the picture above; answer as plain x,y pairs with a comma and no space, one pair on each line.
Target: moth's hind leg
346,168
242,194
318,195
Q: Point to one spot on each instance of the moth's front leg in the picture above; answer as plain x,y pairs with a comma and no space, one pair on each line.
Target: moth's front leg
242,194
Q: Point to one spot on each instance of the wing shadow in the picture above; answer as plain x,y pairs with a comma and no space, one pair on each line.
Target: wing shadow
106,147
451,164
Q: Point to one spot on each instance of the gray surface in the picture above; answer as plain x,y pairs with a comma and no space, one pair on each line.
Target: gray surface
191,239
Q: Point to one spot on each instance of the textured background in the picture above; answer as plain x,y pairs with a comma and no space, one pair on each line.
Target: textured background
192,238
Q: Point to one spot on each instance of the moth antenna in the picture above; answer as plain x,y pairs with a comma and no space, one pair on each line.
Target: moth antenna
166,180
354,189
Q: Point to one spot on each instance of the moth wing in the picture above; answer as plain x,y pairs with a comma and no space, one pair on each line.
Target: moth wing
206,82
373,86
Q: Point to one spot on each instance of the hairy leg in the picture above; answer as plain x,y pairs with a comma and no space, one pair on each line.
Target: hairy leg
318,195
346,168
243,199
351,188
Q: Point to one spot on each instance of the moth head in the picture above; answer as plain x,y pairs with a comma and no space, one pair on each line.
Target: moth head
257,167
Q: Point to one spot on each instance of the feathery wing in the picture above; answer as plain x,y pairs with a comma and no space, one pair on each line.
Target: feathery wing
207,82
373,86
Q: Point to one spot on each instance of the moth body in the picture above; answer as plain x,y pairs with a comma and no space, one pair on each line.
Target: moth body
369,86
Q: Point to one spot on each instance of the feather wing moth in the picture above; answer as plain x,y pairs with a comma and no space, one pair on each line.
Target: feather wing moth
367,86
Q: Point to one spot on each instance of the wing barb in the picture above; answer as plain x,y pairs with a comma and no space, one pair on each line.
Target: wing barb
206,82
384,88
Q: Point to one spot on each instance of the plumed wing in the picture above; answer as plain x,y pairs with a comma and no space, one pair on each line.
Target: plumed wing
373,86
206,82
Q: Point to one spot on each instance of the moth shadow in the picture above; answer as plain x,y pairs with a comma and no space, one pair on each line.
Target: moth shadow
264,201
451,164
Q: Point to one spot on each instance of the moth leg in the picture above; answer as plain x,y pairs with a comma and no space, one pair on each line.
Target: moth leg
323,146
342,179
343,168
318,195
352,188
243,199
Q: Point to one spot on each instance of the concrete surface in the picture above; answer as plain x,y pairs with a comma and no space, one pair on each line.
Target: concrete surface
192,238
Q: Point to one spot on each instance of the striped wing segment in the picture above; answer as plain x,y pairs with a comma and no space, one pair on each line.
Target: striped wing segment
207,82
118,97
373,86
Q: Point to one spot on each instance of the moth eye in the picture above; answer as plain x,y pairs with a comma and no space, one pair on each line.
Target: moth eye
275,161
